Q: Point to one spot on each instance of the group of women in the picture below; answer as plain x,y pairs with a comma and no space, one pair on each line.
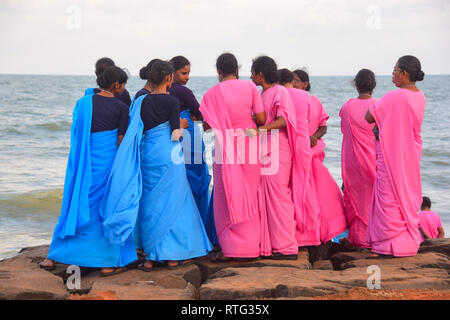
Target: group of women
137,184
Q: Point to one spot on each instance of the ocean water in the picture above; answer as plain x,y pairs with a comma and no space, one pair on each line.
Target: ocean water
35,119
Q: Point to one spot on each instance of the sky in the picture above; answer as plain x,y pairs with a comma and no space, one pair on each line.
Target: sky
328,37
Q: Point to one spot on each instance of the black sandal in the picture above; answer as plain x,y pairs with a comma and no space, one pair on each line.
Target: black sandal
280,256
114,272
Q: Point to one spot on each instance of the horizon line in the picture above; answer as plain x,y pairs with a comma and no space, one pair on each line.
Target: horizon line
199,76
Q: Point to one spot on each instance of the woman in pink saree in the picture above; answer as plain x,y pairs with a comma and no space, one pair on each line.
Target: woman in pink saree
227,108
329,196
397,196
279,165
308,219
358,158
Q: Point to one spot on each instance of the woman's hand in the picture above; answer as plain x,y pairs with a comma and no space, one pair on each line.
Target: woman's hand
313,140
184,123
251,132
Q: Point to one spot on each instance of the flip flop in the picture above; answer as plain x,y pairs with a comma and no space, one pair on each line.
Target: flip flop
144,268
280,256
181,263
116,271
380,256
48,268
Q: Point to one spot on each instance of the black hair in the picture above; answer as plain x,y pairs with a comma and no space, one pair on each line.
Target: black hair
227,64
159,71
285,76
267,67
145,71
102,64
365,81
411,65
426,203
111,75
179,62
303,75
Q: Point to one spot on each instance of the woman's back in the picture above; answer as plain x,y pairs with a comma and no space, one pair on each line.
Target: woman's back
159,108
241,98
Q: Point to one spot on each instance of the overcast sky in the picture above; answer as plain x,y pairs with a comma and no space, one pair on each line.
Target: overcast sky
329,37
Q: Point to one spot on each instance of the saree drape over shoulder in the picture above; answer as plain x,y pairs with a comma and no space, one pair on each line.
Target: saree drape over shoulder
227,108
308,219
329,196
197,169
79,237
358,167
397,196
280,167
169,223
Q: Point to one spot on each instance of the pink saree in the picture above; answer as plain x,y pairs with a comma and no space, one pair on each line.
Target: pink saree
280,164
329,196
358,167
227,108
397,196
307,215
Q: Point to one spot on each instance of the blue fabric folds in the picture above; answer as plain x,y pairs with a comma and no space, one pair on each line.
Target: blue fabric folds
120,205
78,238
89,91
196,167
75,210
170,226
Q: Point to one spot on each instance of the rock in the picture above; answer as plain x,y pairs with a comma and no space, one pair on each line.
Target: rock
323,265
271,282
21,278
209,268
436,245
425,260
136,290
343,270
407,294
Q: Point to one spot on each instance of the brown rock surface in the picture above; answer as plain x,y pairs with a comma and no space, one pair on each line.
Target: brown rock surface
335,273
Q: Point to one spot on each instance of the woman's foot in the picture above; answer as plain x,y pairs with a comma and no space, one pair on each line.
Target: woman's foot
106,272
219,257
146,266
48,265
379,256
174,263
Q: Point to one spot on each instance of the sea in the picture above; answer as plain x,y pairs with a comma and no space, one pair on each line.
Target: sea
35,120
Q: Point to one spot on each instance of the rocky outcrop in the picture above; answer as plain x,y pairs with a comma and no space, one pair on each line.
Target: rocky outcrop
329,271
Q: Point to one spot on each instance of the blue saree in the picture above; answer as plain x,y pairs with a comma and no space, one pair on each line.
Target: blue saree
196,167
169,225
78,238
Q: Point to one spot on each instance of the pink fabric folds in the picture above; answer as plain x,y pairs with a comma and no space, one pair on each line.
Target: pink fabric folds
329,196
358,167
397,197
307,215
227,108
280,171
429,222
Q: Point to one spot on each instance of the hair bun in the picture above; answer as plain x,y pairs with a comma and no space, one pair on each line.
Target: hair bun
420,75
143,73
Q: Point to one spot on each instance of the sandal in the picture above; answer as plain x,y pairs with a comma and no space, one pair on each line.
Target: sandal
114,272
181,263
144,268
280,256
380,256
48,268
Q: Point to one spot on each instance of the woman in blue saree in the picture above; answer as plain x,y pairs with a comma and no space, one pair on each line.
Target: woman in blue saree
99,125
192,143
100,66
169,224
